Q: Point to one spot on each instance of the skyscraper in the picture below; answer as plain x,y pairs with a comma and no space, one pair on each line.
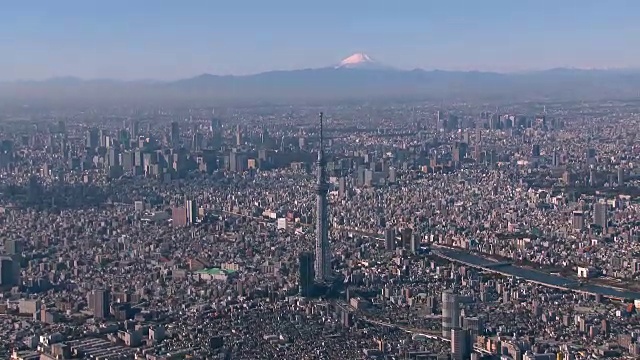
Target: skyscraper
323,261
192,211
600,215
175,134
98,303
306,274
620,176
577,220
14,249
389,239
239,140
450,313
93,138
7,271
460,348
134,128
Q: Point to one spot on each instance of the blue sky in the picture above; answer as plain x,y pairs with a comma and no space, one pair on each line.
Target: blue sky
162,39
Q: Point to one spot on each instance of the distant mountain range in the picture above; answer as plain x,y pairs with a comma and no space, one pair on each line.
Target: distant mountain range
356,77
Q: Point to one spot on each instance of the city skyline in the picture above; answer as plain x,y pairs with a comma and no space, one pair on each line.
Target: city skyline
126,41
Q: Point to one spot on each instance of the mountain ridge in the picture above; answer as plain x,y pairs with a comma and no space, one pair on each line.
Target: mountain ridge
347,82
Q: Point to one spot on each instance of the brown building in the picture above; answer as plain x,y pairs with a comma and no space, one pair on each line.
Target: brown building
179,216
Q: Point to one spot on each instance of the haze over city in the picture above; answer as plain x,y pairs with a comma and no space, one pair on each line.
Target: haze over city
166,41
328,180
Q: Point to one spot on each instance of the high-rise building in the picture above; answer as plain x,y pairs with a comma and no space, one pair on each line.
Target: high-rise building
323,259
600,215
98,302
416,241
7,272
474,326
93,138
389,239
175,134
14,249
342,186
460,346
237,161
620,176
178,216
555,160
406,234
450,312
306,274
239,139
114,156
134,128
192,211
196,142
577,220
105,140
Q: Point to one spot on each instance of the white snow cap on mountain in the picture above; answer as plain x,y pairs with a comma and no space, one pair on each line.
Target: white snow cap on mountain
358,60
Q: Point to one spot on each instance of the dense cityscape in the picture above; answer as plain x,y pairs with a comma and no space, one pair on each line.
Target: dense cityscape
413,230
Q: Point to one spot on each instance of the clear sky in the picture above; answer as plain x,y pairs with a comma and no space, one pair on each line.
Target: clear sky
170,39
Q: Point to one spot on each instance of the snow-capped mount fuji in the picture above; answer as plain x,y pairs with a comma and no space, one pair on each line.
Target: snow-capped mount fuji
360,61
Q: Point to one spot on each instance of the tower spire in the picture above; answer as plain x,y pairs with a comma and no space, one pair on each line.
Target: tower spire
322,261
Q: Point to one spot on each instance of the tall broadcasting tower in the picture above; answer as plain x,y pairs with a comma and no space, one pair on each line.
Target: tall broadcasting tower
323,260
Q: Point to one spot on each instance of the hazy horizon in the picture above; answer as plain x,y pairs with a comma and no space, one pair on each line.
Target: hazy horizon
160,41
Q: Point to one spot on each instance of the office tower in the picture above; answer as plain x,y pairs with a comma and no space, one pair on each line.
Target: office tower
98,302
416,241
306,274
323,261
460,347
7,272
215,125
555,160
14,249
450,313
192,211
600,215
238,135
460,151
265,139
196,142
93,138
342,186
389,239
620,176
406,236
134,128
474,326
104,138
237,161
175,134
392,175
577,220
114,156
